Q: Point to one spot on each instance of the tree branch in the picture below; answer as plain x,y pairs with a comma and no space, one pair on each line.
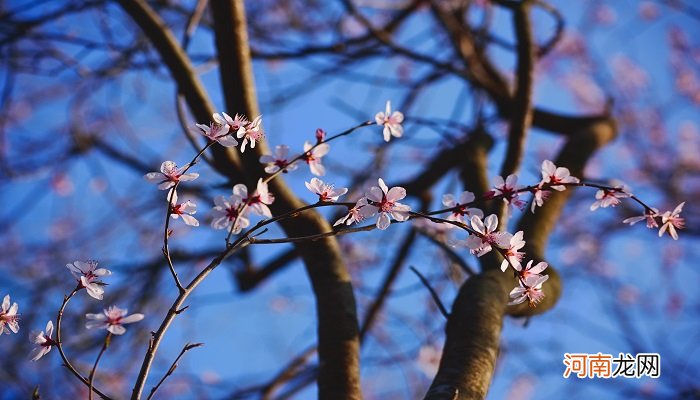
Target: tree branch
335,301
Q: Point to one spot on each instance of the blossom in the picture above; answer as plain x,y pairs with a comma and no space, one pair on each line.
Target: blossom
384,201
672,220
553,175
486,236
539,197
218,131
112,319
312,156
512,254
508,189
280,161
354,214
235,124
461,212
649,215
320,135
169,175
530,290
88,276
43,342
8,316
390,121
325,191
228,212
259,200
530,271
185,210
606,198
251,132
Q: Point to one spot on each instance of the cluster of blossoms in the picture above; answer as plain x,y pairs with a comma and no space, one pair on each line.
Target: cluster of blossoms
88,276
381,201
484,235
224,130
233,212
670,220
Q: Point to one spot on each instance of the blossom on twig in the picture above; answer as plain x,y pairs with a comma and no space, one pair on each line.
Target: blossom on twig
43,341
325,191
671,220
228,212
461,211
384,201
391,122
312,156
486,235
278,161
169,175
112,319
185,210
531,291
88,276
9,319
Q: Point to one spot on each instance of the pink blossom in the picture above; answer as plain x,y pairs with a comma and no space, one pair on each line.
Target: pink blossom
112,319
312,156
530,271
8,316
169,175
539,197
320,135
462,212
279,161
531,291
508,189
43,342
384,201
354,214
228,212
251,132
259,200
554,175
218,131
608,198
325,191
235,125
185,210
390,121
486,236
672,221
512,254
650,216
88,276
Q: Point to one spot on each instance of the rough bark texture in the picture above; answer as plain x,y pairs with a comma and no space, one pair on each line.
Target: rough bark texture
473,336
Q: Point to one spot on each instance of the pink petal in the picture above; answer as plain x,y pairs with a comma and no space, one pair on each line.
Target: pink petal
383,221
396,193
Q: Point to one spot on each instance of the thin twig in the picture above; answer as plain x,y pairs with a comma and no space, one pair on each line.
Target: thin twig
91,377
449,251
59,345
188,347
434,294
